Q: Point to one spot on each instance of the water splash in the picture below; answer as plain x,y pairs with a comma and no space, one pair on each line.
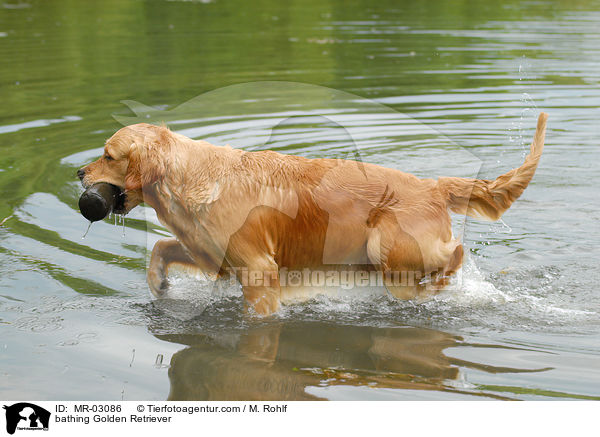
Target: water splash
529,108
526,98
503,229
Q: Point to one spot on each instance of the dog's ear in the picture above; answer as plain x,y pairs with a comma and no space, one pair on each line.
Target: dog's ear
133,177
148,160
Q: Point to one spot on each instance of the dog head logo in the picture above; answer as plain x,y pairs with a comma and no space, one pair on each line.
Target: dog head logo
26,416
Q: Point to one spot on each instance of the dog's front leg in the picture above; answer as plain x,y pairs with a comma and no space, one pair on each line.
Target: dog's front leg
264,300
165,253
260,285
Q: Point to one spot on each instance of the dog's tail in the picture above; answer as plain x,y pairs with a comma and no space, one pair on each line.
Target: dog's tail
489,199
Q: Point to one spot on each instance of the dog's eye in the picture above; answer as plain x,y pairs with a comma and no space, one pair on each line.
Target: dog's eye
109,158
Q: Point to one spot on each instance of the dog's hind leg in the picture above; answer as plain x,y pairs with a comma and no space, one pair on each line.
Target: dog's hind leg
443,276
166,253
398,256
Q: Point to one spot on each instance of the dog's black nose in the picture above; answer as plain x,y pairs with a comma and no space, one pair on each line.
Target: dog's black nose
81,173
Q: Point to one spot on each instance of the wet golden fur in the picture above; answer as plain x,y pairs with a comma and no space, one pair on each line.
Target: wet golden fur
265,211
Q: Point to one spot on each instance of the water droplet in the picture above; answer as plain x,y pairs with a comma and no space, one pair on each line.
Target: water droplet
508,228
86,231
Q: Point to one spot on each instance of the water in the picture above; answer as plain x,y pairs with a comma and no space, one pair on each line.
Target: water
462,84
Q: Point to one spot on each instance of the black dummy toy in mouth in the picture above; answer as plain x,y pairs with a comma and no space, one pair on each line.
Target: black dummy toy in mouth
101,199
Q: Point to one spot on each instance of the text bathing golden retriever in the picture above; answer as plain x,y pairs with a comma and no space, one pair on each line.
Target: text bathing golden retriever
257,214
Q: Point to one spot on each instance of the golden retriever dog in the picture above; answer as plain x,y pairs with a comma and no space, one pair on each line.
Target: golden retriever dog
262,216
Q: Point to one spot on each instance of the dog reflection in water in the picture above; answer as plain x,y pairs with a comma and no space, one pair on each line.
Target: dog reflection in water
279,362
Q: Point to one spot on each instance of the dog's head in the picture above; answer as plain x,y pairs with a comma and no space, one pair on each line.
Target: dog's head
133,159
